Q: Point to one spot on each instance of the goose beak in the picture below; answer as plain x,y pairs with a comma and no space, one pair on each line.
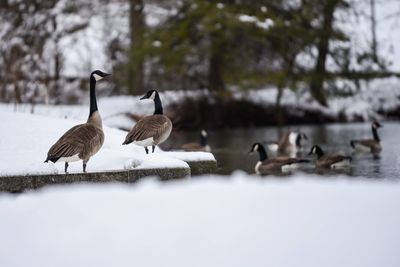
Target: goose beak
144,97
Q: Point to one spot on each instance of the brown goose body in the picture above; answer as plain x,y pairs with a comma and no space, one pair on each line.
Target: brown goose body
150,131
195,147
333,161
80,142
289,143
276,164
202,146
367,146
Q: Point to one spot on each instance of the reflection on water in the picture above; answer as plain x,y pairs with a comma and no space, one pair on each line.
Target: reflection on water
231,147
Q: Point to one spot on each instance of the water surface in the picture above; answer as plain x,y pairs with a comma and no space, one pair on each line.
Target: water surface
231,147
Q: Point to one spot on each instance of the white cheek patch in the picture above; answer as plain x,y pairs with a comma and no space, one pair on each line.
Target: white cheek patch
97,77
293,138
153,95
255,148
203,133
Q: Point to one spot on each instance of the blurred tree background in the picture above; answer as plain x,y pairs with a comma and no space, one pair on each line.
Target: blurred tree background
221,46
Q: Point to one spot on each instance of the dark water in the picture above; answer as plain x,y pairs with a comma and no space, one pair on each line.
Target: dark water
230,147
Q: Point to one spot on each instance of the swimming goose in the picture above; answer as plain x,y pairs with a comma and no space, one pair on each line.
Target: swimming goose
82,141
289,143
196,146
334,161
265,165
150,130
369,145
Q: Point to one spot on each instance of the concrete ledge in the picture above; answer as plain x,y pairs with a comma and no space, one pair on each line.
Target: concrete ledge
202,167
15,184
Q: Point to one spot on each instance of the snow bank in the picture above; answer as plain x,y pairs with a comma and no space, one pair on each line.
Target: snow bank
374,99
25,140
241,221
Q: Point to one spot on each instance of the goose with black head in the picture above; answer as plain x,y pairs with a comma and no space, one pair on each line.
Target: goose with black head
151,130
332,161
82,141
369,145
278,164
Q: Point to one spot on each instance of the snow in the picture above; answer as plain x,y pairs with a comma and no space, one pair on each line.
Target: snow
372,99
266,24
26,138
242,221
192,156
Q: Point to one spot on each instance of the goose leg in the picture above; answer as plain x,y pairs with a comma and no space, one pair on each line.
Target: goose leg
66,167
153,147
84,167
147,150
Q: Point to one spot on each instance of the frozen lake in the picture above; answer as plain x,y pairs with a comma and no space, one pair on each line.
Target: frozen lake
231,146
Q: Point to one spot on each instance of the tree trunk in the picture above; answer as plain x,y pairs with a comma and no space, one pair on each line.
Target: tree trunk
215,69
374,45
136,66
317,81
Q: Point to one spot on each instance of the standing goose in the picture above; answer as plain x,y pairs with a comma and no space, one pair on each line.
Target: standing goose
203,146
265,165
369,145
82,141
334,161
150,130
289,143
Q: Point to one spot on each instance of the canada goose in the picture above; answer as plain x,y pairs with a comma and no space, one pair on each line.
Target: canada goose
265,165
82,141
289,143
203,146
150,130
334,161
369,145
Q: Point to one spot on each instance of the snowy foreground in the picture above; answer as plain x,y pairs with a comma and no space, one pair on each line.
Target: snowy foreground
25,140
242,221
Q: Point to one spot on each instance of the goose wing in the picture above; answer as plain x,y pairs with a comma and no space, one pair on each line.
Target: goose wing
275,164
328,160
149,127
283,142
82,139
370,143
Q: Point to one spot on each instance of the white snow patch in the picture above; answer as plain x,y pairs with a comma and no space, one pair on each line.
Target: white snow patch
205,222
25,140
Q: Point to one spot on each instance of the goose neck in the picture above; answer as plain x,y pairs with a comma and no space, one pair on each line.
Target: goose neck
203,140
158,109
93,100
375,134
262,153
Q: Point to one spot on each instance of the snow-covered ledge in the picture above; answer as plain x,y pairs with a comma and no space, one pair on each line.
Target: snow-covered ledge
26,138
199,162
20,183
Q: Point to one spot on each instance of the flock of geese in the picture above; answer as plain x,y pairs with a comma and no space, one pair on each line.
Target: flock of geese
290,144
83,141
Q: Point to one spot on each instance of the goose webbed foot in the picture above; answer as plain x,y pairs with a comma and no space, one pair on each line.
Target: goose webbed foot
153,147
146,149
66,167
